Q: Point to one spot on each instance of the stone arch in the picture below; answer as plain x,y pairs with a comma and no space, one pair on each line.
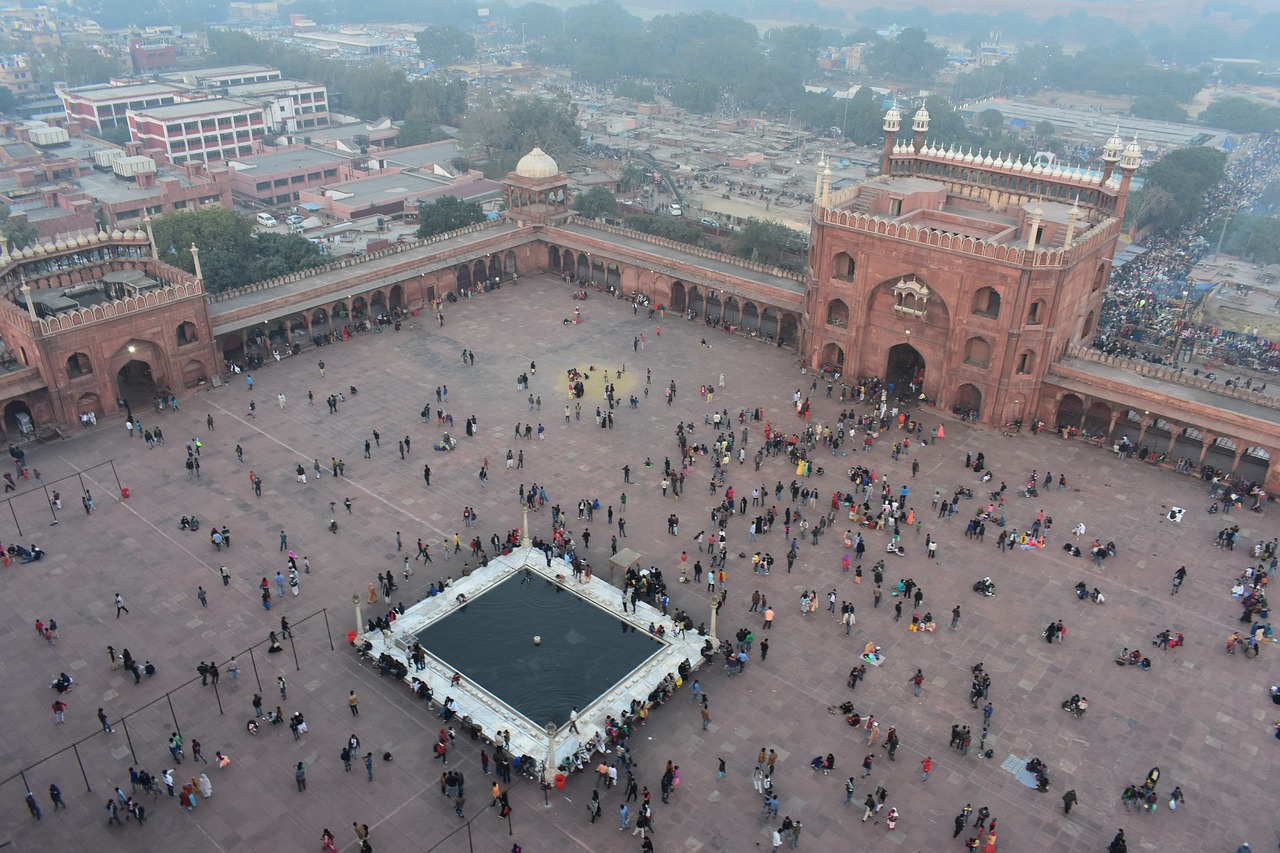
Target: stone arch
750,317
838,314
18,419
359,307
977,352
732,311
553,258
567,262
597,265
1070,410
339,311
843,266
1086,330
509,264
678,302
769,322
968,398
697,304
194,373
788,330
479,273
232,347
187,333
1254,464
833,357
378,302
79,364
1026,363
583,270
986,303
613,275
319,317
495,267
463,277
1099,278
904,367
89,402
1037,313
396,299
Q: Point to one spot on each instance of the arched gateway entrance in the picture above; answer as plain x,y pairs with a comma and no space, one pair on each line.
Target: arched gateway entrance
905,369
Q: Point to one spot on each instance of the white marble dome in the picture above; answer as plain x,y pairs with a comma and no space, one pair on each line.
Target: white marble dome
537,164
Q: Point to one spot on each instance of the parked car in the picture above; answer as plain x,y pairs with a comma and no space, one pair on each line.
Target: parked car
676,210
709,222
294,219
266,220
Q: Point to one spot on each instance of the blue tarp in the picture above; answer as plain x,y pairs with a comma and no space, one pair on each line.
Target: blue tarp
311,206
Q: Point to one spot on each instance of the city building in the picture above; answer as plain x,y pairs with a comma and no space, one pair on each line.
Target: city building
222,76
289,106
16,76
107,105
208,130
278,177
966,279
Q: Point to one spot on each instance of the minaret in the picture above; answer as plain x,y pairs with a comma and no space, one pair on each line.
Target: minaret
1111,155
892,124
1129,163
195,260
1073,215
817,177
151,238
1037,216
826,185
919,127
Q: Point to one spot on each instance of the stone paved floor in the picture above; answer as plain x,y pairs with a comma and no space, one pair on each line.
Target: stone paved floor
1202,717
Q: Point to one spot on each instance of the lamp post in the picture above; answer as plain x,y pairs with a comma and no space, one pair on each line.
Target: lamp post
355,600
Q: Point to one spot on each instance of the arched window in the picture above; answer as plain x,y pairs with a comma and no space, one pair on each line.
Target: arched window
837,313
187,334
1035,313
842,267
977,352
1026,363
78,364
986,303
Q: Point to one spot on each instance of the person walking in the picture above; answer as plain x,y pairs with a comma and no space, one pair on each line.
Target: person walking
300,776
368,764
120,608
33,806
106,724
916,681
1069,799
55,794
926,767
203,596
353,702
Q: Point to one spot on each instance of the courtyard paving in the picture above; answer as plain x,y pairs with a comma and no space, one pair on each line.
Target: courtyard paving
1202,717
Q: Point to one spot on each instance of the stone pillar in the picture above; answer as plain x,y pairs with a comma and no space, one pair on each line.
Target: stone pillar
1204,447
1111,429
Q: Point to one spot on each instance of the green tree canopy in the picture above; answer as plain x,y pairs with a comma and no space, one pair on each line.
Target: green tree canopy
700,97
631,89
989,119
1173,194
764,241
1256,238
671,227
508,126
447,213
1158,108
445,45
231,255
909,56
596,203
1241,115
1045,128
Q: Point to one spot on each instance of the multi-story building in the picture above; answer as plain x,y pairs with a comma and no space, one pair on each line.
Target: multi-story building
278,177
106,106
222,76
289,106
16,76
210,130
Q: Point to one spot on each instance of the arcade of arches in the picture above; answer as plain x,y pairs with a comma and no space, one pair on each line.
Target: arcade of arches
1105,423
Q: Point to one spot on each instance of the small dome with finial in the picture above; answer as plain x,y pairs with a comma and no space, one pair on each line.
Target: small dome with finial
1132,157
892,120
537,164
1113,148
920,122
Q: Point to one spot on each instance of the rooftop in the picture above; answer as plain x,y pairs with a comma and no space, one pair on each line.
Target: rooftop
212,106
282,161
198,74
270,87
429,154
104,93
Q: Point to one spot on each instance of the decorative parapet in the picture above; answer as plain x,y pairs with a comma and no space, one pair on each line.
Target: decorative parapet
1169,374
687,248
348,261
80,317
999,252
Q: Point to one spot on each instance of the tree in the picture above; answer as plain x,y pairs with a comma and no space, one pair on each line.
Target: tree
632,177
231,255
1158,108
538,21
1241,115
508,126
671,227
445,45
701,97
7,100
1045,129
596,203
447,213
636,91
763,240
1175,188
910,56
418,131
990,120
18,233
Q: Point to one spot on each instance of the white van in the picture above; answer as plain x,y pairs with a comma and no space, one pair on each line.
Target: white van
266,220
675,210
709,222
